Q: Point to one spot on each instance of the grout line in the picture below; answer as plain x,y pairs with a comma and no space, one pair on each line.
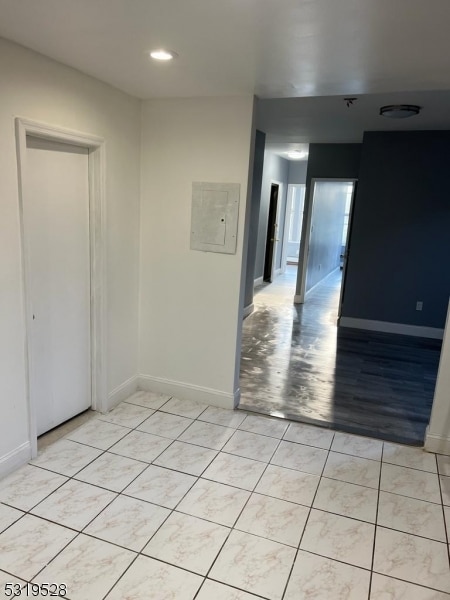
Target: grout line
376,523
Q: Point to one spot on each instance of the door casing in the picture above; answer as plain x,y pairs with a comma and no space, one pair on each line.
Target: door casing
97,220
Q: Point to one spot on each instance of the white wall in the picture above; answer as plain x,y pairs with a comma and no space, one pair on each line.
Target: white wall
437,438
189,301
37,88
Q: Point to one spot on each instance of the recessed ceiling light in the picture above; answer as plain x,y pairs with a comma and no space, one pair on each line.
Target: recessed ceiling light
399,111
297,155
162,54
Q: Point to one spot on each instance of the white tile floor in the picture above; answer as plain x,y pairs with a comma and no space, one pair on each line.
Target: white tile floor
162,499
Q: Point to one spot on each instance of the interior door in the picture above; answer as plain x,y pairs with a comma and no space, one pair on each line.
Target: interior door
272,232
56,229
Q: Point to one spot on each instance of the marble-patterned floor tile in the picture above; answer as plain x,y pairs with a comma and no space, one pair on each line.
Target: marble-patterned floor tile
160,486
235,470
352,469
207,435
412,558
410,482
128,522
141,446
254,564
127,415
309,435
274,519
186,458
66,457
74,504
148,399
98,433
445,488
264,425
29,485
88,566
411,516
339,538
111,471
407,456
14,581
300,457
184,408
443,464
8,516
222,416
251,445
165,425
347,499
319,578
149,579
286,484
219,591
214,502
29,544
187,542
386,588
357,446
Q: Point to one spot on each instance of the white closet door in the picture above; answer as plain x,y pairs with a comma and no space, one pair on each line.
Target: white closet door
56,229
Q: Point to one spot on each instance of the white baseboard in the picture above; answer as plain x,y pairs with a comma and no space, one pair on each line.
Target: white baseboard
386,327
436,443
278,272
122,391
15,459
188,391
248,310
298,299
258,281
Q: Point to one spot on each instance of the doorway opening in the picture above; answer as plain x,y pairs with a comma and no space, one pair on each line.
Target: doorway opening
326,240
272,233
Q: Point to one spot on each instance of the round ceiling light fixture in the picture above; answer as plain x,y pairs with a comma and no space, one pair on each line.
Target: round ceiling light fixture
163,55
399,111
297,155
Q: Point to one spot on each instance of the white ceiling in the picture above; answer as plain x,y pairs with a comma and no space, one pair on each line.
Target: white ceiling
299,56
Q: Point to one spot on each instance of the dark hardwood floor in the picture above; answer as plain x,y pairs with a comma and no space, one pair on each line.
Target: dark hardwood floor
297,364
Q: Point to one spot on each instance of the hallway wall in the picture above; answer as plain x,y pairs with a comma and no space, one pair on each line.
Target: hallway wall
40,89
258,166
190,300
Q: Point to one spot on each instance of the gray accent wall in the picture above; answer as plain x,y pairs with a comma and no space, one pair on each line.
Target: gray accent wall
275,168
258,164
400,239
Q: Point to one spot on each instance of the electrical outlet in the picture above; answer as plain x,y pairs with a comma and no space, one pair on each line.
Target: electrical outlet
419,305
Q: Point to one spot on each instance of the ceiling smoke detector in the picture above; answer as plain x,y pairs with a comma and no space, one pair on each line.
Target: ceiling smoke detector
399,111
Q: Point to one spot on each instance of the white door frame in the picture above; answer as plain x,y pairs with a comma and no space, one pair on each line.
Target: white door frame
286,222
306,235
97,230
